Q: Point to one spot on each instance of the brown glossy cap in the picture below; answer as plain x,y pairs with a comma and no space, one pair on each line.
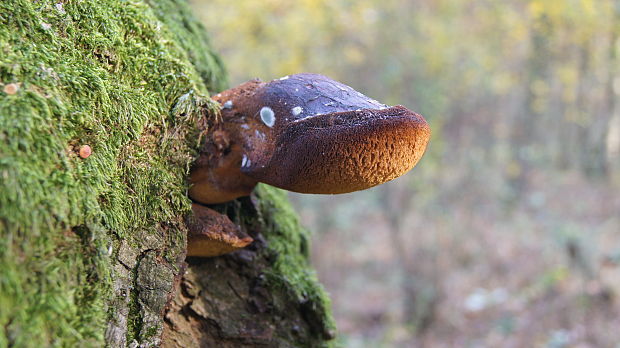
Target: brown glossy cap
305,133
212,234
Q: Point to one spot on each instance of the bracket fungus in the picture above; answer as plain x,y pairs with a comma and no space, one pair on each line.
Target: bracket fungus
212,233
305,133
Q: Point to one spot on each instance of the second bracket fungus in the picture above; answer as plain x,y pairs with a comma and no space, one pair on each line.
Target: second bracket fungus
305,133
212,233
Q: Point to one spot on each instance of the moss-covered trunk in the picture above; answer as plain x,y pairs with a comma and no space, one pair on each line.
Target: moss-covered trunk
92,247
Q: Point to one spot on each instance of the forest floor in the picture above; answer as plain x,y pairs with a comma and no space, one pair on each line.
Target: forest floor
541,270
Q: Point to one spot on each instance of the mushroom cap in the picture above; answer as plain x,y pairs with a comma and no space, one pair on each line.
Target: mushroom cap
212,234
345,151
310,134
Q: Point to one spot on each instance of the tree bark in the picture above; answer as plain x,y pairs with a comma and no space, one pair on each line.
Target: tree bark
258,296
92,248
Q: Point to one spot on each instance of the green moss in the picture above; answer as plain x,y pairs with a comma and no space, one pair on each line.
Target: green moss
192,40
106,74
291,272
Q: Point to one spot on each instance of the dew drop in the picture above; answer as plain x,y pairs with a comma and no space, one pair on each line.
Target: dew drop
267,116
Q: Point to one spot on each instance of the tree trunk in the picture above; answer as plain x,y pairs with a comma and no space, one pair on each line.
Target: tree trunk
92,247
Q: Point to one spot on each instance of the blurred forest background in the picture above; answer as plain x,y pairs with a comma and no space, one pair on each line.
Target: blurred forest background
508,231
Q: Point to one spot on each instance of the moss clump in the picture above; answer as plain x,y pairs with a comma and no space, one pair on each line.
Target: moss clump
291,272
106,74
